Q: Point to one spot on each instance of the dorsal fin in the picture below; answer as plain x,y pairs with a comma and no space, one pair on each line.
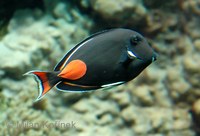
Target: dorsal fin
61,64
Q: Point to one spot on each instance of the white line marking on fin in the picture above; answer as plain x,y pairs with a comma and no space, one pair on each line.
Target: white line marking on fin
84,43
70,91
38,82
113,84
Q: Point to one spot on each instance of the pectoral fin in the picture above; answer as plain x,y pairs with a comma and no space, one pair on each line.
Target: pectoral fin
125,59
74,70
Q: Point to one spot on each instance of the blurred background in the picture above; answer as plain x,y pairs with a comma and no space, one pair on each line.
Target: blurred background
162,101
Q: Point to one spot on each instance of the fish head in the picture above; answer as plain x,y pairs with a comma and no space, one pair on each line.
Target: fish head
139,48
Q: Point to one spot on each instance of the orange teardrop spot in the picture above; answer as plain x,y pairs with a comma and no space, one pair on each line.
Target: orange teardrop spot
74,70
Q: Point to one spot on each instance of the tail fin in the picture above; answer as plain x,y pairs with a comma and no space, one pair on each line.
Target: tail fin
46,80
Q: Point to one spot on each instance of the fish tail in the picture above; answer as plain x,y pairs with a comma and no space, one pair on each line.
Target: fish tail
45,80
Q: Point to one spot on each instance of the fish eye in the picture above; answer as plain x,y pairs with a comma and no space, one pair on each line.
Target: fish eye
135,40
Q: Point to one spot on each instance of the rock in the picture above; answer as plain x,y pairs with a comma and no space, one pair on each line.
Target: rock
9,7
158,3
26,48
155,118
82,106
140,124
103,108
156,103
197,44
191,6
196,108
159,21
176,83
191,65
193,25
33,40
123,99
150,76
143,94
10,65
119,10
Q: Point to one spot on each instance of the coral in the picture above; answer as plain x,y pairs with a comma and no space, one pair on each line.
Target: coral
34,40
9,7
118,9
162,100
160,4
155,118
119,12
197,44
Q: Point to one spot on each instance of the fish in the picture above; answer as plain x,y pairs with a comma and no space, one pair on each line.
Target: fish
105,59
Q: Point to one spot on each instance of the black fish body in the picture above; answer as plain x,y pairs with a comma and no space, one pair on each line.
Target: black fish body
111,57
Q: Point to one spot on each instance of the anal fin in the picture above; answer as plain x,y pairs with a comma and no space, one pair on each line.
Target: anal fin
66,87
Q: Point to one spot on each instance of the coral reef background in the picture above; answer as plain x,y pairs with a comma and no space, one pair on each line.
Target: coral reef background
163,101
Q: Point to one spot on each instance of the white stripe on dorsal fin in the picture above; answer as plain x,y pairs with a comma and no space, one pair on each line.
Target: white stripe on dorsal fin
65,62
113,84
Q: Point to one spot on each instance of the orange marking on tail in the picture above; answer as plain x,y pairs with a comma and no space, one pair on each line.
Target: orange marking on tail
46,87
74,70
44,82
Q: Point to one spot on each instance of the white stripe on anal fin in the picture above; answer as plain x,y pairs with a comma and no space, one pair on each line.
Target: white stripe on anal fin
113,84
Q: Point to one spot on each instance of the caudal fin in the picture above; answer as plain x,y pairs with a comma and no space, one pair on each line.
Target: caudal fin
46,80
